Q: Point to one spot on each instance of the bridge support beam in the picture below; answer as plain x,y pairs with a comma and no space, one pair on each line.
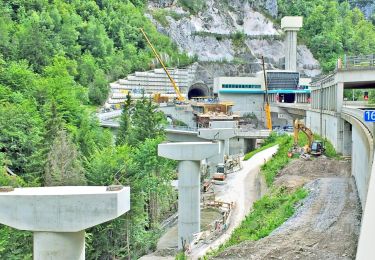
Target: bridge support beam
58,216
189,156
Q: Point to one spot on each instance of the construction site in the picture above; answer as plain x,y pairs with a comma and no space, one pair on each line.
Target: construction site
216,187
187,129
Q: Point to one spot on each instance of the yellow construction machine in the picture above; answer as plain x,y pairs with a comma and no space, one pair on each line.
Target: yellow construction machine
314,147
267,107
157,56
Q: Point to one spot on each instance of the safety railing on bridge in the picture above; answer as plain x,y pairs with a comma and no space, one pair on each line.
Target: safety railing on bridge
353,62
181,128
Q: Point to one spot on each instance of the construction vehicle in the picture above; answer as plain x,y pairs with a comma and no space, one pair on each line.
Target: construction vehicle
231,164
221,172
157,56
267,107
312,147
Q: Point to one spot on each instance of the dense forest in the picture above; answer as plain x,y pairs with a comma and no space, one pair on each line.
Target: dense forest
56,59
331,29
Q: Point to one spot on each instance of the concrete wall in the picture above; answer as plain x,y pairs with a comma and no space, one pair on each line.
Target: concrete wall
331,128
246,103
366,239
218,82
361,168
185,116
343,136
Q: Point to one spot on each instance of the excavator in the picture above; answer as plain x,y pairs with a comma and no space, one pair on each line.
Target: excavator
313,147
157,56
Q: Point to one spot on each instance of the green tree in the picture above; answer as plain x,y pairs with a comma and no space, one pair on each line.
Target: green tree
147,122
123,131
63,167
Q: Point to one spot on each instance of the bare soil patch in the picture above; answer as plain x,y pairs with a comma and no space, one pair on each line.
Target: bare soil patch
325,226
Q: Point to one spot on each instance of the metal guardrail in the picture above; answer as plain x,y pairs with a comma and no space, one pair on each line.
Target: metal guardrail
364,61
181,128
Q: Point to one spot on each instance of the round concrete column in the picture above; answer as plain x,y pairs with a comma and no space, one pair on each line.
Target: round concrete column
188,201
59,246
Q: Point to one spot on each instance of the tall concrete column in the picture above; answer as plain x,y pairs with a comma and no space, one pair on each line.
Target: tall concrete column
189,155
291,25
189,197
58,216
52,245
339,96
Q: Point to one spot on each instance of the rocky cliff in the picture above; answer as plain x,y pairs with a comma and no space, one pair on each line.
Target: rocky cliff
228,37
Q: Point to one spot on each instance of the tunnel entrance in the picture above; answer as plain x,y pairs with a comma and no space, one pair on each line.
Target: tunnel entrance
198,90
288,98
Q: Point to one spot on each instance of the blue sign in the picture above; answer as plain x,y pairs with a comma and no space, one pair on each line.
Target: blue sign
369,115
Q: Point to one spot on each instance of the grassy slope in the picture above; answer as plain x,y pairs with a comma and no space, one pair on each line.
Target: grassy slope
271,211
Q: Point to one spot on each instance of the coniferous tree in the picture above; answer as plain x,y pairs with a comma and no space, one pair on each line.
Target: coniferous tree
63,166
123,131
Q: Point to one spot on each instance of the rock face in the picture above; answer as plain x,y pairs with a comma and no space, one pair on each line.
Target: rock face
233,34
366,6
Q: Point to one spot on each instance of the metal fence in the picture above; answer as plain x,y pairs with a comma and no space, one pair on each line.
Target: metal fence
363,61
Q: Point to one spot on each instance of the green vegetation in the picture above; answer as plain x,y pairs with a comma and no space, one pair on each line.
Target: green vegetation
270,141
330,151
181,256
331,29
279,160
56,59
192,6
160,15
267,214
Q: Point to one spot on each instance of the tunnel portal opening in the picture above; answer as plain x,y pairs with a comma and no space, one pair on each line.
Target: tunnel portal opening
287,98
198,90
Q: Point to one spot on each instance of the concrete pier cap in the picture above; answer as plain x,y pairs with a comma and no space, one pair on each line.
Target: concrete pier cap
291,23
188,151
58,216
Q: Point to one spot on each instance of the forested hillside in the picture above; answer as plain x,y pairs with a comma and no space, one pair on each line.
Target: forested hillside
56,59
331,29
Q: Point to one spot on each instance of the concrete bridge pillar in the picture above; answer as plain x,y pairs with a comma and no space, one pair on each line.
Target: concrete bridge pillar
291,25
58,216
347,139
189,155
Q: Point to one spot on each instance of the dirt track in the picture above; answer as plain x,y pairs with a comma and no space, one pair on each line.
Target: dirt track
325,226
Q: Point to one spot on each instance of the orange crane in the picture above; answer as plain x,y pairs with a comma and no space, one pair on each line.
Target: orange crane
174,84
267,107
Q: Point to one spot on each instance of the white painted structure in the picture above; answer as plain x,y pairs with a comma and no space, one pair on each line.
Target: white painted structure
222,131
151,82
291,25
189,156
58,216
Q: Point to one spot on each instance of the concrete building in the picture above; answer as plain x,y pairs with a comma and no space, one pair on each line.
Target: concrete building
247,93
58,216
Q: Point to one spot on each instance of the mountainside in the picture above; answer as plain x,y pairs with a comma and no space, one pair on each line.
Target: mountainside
366,6
233,32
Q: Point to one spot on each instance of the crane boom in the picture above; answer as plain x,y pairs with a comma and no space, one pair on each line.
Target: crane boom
267,107
176,88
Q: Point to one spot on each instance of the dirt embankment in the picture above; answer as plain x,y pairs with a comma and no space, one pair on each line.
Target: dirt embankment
325,226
